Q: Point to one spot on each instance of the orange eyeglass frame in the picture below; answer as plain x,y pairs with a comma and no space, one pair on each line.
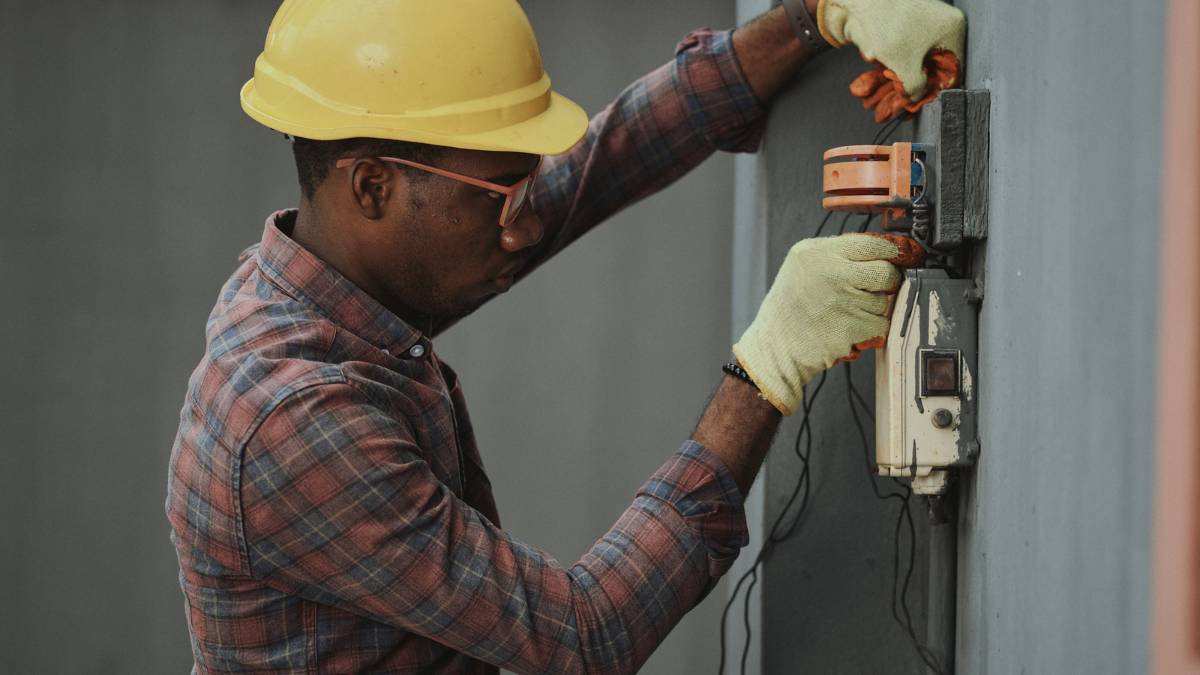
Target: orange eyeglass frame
516,196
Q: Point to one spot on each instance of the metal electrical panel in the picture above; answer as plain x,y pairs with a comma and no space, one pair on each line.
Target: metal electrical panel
925,402
936,192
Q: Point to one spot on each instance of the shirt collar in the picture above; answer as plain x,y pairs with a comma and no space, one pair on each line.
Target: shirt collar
310,279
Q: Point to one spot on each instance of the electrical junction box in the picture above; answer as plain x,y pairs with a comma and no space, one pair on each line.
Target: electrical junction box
880,179
925,395
926,387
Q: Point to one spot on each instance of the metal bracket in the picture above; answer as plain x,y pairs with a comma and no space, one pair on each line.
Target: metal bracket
957,123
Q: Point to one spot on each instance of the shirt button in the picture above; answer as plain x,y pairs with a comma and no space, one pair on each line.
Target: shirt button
417,351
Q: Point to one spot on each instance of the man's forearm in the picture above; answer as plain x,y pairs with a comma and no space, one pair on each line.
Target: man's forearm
737,427
769,52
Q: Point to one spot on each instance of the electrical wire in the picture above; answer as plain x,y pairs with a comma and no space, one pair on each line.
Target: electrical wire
899,591
804,439
821,226
900,609
802,483
899,599
802,448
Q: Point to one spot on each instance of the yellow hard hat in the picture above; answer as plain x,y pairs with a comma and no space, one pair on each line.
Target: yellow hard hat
461,73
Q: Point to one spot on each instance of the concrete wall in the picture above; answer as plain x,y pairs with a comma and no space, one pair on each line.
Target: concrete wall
1054,546
132,179
1054,533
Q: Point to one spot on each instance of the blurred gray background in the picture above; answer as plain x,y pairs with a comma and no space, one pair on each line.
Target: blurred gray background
131,180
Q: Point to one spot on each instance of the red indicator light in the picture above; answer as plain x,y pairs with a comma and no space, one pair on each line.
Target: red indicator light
941,374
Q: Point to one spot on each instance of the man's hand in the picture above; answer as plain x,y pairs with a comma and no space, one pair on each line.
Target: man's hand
881,90
901,36
829,300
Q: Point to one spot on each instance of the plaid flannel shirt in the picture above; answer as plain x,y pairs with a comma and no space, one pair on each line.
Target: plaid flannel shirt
328,503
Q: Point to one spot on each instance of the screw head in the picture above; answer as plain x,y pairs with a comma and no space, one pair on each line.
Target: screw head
942,418
973,295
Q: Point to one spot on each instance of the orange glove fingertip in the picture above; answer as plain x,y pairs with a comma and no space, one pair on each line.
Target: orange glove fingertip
867,82
911,253
857,350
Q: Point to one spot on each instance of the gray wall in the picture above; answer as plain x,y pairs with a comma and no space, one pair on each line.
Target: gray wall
1054,552
132,179
1054,532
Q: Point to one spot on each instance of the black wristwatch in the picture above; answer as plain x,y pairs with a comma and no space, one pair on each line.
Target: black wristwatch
805,26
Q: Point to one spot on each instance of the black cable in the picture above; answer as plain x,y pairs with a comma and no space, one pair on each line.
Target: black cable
746,620
899,591
851,393
803,437
866,223
828,215
889,129
845,219
803,481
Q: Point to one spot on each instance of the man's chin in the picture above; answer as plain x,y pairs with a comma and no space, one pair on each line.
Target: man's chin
478,302
450,308
467,305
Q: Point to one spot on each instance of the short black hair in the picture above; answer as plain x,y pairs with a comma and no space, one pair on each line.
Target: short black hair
315,158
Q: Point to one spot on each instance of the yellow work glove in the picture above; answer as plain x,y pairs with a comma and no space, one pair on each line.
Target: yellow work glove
896,33
829,299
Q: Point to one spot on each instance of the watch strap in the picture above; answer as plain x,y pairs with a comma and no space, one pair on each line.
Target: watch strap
805,26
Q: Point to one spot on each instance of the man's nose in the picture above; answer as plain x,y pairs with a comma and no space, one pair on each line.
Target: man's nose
522,233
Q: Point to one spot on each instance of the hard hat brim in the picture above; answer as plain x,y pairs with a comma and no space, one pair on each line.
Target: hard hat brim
551,132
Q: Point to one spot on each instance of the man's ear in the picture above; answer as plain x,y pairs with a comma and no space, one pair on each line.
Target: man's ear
372,184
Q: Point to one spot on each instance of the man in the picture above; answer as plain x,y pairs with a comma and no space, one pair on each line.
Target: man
327,501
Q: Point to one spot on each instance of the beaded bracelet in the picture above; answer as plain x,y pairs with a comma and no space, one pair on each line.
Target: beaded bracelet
736,370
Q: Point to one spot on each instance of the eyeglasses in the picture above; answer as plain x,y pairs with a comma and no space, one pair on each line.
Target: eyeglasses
516,196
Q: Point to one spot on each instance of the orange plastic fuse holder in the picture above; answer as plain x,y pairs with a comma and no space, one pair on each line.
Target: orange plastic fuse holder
884,179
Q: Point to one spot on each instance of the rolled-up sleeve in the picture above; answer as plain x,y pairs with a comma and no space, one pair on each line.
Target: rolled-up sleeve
340,507
658,128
